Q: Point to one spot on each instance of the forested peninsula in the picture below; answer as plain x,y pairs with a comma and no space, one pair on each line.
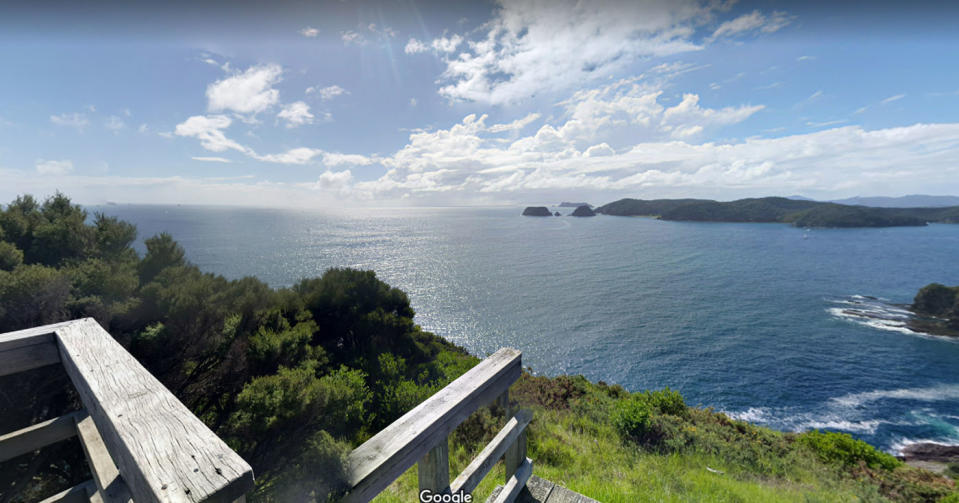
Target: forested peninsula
801,213
293,378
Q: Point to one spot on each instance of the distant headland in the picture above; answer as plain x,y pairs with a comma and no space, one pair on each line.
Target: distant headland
565,204
801,213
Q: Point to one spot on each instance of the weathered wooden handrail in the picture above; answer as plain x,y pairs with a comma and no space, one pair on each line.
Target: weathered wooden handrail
141,443
421,436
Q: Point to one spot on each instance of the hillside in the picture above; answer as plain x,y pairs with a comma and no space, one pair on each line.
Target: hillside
293,378
801,213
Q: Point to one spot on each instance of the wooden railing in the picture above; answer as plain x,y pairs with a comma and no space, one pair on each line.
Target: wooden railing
421,436
140,442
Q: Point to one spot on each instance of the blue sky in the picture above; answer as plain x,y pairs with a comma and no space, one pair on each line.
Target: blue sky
513,102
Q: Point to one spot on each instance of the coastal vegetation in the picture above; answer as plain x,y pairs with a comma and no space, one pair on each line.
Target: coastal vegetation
801,213
293,378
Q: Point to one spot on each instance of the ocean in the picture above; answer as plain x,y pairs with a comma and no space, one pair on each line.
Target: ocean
784,327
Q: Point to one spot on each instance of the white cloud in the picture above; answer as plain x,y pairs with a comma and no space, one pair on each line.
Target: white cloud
296,114
351,37
143,128
335,181
335,159
211,159
327,93
300,155
76,120
415,47
209,130
805,58
413,102
54,167
892,98
532,46
114,123
309,32
515,125
447,44
753,21
249,92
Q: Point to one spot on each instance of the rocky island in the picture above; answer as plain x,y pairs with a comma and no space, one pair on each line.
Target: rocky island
537,211
800,213
583,211
566,204
936,310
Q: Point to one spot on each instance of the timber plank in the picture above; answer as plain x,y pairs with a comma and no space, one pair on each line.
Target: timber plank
39,435
163,452
27,349
481,465
516,483
79,493
383,458
110,485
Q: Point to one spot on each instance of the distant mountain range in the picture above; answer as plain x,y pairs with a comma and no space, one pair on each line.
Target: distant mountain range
910,201
799,212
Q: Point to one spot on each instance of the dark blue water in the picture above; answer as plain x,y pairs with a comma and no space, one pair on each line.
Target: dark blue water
763,321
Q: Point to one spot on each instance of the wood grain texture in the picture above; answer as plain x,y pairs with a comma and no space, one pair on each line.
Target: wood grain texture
433,470
27,349
473,474
515,454
110,485
163,452
383,458
36,436
516,483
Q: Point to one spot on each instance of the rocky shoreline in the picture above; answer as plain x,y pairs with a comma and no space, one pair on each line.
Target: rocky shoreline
931,456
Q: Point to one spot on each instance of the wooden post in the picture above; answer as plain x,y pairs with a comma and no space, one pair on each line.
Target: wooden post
434,468
515,453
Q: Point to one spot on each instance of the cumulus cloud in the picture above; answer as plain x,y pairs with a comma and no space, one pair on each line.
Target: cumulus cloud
209,130
335,159
309,32
75,120
249,92
296,114
415,47
535,45
327,93
63,167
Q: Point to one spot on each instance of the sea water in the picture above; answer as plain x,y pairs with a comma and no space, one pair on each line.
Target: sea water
785,327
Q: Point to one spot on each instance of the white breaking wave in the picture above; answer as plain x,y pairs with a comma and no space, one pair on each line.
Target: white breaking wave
900,444
929,394
785,420
879,314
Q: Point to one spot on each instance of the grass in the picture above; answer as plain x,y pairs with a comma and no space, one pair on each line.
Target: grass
690,455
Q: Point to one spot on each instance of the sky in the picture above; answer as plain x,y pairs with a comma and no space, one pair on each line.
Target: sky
516,102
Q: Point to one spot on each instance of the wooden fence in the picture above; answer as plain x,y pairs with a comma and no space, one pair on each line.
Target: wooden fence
140,442
421,436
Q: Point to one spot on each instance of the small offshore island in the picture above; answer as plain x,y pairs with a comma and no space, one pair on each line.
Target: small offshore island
936,310
800,213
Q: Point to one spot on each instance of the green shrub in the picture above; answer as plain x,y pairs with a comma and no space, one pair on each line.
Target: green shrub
10,256
667,401
842,449
632,417
952,498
